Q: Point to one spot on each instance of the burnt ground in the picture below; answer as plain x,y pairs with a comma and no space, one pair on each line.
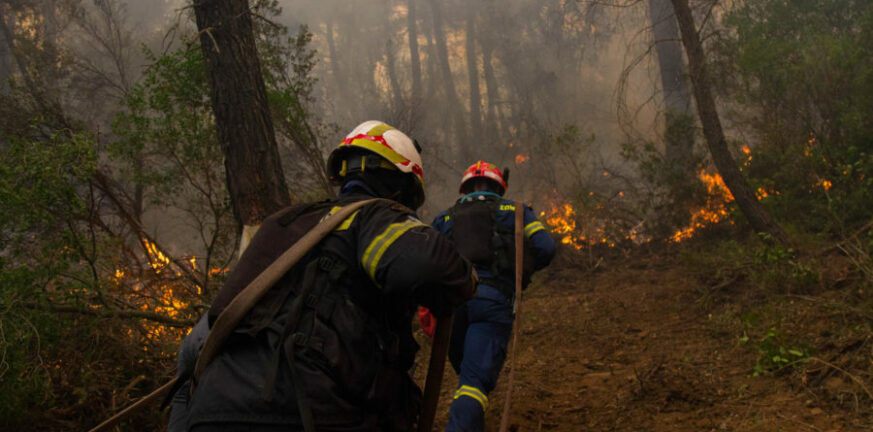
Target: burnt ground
639,343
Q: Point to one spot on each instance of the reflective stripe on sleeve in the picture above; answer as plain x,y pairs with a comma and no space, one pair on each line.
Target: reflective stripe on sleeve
380,244
474,393
347,222
533,227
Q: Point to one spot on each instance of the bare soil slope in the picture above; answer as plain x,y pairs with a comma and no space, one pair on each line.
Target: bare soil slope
633,346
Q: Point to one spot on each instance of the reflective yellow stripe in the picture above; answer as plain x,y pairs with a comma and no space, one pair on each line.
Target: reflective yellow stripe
533,227
379,130
380,150
507,207
446,218
474,393
380,244
346,223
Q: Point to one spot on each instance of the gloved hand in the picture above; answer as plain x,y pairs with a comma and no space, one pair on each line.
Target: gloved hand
427,321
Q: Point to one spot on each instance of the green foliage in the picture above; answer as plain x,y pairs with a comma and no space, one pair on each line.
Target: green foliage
805,69
776,352
675,190
167,138
91,306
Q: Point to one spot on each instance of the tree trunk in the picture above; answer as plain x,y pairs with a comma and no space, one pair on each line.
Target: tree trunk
492,115
758,217
396,90
414,59
452,100
677,94
473,75
242,116
5,59
335,68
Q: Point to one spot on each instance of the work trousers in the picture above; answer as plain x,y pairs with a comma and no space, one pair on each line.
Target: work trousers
480,335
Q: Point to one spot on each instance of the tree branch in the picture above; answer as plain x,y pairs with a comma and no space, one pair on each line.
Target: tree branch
101,312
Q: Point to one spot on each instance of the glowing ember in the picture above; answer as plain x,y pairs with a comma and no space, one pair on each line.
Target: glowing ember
520,159
826,184
745,149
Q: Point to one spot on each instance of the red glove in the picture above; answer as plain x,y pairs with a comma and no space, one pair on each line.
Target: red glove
427,321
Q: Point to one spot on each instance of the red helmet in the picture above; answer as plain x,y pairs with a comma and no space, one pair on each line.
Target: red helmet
484,170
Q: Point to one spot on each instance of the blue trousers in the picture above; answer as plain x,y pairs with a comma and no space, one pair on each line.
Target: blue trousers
480,335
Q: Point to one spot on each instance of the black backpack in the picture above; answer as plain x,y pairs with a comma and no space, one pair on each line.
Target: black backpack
487,244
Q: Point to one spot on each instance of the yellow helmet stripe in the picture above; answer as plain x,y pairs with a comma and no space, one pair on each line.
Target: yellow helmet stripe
379,130
380,149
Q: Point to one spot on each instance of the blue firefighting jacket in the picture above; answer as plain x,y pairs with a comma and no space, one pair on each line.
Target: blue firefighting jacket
537,238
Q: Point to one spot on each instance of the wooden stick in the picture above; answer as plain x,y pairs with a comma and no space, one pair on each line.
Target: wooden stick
519,261
149,399
433,383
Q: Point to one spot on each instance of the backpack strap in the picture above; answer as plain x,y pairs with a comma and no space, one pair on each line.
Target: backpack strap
236,310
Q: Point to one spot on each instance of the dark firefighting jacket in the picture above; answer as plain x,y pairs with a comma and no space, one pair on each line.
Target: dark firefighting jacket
350,345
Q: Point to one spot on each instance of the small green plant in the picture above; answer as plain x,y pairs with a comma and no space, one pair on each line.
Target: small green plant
777,265
776,352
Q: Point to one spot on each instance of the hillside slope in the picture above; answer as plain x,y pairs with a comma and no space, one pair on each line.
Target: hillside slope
636,345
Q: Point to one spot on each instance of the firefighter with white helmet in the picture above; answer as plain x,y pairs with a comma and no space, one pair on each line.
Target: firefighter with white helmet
329,347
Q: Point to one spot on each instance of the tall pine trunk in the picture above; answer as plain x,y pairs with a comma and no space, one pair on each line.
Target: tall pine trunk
758,217
473,76
452,100
414,58
242,116
679,142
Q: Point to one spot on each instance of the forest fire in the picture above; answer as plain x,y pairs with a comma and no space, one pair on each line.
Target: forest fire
160,290
562,220
715,209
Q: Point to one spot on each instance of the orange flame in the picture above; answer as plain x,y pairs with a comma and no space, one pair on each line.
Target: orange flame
713,212
164,292
520,159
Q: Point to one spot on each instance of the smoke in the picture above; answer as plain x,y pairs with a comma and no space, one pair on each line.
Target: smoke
542,68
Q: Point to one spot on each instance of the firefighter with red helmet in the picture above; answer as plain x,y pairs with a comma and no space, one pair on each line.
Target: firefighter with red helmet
482,224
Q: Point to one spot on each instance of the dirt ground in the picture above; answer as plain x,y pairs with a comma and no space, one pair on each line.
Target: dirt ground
633,346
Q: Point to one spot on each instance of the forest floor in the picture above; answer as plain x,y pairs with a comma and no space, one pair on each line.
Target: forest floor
638,342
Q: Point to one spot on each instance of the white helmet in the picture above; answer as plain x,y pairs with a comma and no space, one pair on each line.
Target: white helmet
396,149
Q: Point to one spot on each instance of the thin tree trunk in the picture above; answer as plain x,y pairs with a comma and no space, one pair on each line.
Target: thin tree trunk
758,217
414,59
335,68
397,102
473,75
674,83
493,118
242,116
50,40
431,66
452,100
5,59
